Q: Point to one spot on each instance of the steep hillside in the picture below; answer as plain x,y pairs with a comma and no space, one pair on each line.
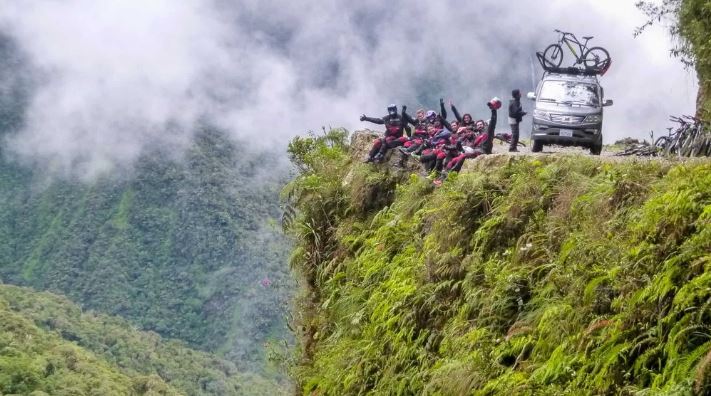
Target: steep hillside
547,274
184,244
178,247
47,344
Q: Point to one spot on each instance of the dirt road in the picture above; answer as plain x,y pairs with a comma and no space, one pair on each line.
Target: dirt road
361,141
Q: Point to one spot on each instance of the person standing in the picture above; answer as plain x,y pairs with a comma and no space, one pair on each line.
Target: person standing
516,114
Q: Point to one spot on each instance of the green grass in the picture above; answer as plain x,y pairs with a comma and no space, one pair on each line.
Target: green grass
546,275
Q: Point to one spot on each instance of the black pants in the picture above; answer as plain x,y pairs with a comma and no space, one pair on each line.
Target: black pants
514,137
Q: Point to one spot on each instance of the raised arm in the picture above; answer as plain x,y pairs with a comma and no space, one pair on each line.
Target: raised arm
404,121
407,119
490,131
446,125
492,123
456,113
442,110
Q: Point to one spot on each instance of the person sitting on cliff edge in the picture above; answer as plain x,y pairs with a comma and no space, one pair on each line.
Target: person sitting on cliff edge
394,133
474,144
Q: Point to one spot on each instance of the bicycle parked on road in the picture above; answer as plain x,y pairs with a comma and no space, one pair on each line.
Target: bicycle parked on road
639,150
690,139
506,137
595,58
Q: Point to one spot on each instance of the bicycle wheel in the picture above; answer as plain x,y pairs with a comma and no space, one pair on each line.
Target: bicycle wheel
687,147
671,142
596,57
553,55
662,142
677,147
697,145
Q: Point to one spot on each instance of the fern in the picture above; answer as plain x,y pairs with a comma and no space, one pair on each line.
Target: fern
543,276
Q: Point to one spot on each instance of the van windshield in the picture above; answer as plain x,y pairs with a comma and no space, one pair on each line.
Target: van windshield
570,92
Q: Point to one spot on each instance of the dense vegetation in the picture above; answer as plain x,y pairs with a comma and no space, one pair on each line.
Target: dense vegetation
182,244
48,344
522,275
179,247
691,27
695,27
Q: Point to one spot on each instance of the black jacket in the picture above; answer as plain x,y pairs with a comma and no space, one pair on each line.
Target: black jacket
488,145
389,121
442,111
515,110
417,123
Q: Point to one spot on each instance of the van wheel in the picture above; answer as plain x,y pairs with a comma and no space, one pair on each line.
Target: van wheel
595,149
537,146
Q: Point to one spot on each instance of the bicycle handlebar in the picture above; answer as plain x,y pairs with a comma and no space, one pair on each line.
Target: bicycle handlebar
684,119
690,117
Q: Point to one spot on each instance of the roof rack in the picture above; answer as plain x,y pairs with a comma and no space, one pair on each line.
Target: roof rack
580,71
565,75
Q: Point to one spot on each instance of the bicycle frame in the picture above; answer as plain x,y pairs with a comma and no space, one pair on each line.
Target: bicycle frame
569,38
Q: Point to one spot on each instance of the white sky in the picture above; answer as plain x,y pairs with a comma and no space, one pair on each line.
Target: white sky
114,77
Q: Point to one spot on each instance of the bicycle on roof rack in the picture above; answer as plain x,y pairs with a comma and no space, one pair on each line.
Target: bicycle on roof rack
595,58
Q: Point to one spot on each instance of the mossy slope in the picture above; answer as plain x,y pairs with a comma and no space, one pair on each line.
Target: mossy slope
524,275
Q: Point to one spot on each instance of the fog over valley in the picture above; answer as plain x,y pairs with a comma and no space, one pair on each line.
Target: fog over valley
106,80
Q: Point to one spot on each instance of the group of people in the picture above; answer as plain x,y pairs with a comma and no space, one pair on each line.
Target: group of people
442,146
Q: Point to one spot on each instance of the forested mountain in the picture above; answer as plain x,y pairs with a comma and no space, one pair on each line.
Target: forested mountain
48,346
178,247
180,242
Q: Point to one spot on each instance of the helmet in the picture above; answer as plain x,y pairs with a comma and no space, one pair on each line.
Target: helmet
495,103
392,109
431,115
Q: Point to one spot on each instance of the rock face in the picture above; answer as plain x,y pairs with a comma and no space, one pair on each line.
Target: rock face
362,142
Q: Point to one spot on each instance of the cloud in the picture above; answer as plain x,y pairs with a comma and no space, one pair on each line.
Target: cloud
116,77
